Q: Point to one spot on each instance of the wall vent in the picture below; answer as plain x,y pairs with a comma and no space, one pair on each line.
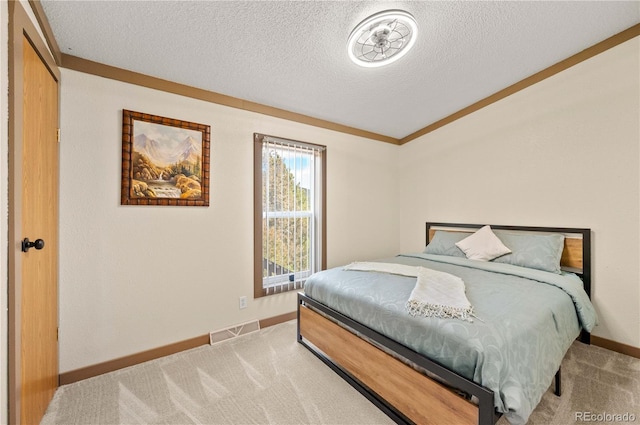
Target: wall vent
233,332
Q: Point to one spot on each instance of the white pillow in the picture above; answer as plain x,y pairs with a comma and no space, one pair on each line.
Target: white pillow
483,245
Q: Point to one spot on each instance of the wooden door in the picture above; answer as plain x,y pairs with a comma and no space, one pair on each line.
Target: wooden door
33,211
39,221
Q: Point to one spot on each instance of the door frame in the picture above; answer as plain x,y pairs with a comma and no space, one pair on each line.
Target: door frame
20,25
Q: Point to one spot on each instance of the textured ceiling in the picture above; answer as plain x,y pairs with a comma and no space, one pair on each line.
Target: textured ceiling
292,54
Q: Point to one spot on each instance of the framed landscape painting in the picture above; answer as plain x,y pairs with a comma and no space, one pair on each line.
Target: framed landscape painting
165,161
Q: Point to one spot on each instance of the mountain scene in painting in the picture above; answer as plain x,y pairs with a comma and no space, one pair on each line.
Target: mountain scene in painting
166,169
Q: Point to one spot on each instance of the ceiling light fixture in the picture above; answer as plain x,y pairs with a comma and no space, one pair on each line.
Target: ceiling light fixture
382,38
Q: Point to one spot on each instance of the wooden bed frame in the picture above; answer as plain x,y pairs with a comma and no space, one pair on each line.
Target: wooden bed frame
387,373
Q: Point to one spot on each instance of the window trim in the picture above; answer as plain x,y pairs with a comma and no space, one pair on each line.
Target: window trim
258,290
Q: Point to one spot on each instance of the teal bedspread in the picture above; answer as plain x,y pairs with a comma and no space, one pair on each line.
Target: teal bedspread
526,321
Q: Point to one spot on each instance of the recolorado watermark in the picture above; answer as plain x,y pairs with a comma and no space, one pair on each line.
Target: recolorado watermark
604,417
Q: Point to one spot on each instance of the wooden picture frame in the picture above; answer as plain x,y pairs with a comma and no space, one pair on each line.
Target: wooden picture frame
165,161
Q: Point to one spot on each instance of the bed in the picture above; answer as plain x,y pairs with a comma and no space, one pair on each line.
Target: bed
529,305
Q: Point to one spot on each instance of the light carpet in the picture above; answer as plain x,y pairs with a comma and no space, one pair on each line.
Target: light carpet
268,378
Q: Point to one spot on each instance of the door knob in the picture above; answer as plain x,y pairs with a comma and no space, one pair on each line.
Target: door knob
37,244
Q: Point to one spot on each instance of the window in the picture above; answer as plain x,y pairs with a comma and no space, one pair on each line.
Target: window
289,197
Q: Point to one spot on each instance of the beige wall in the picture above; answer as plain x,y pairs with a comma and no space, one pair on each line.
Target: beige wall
564,152
135,278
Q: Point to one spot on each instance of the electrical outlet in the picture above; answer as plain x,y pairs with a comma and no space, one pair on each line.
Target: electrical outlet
243,302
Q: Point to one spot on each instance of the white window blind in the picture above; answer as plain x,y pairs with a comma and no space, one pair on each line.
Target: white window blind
291,213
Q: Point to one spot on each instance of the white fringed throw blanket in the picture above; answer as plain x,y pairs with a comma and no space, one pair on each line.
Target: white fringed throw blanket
436,294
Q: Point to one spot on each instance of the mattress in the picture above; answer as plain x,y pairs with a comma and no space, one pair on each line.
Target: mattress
525,320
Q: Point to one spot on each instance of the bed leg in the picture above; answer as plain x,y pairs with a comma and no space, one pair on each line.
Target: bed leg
300,302
558,390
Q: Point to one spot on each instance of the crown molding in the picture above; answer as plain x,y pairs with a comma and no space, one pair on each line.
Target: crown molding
89,67
588,53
